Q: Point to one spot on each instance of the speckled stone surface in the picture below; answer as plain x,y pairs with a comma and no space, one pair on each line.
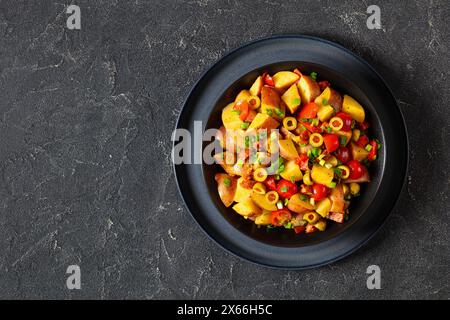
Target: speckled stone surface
85,124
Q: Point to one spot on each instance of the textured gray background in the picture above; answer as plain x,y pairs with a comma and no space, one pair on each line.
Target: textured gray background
85,124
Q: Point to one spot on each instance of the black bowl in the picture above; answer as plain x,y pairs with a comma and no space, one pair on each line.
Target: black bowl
348,74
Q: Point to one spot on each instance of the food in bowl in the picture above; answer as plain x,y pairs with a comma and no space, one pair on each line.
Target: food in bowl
294,152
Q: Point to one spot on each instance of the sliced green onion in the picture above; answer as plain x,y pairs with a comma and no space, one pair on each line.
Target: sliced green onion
279,204
342,140
244,125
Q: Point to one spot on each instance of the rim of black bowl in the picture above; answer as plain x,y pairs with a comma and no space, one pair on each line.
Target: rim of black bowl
321,252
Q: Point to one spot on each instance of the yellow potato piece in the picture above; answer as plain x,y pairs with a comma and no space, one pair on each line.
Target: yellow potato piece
353,108
323,207
264,219
263,121
260,201
291,172
292,98
322,175
241,193
247,208
284,79
308,88
256,87
287,149
230,119
325,112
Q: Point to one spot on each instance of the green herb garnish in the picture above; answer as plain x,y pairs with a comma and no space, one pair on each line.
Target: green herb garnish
244,125
227,182
296,101
288,225
238,112
342,140
324,102
313,75
303,197
368,147
269,112
279,112
283,189
247,141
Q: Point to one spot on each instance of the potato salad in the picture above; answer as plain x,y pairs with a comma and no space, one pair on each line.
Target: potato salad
294,152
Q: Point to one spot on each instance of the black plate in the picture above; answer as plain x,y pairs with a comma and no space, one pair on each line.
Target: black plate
347,73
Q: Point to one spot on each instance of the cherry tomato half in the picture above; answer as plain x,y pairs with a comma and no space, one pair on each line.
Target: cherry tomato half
299,229
373,152
362,141
331,142
286,189
347,119
280,217
323,84
268,80
356,169
309,111
271,183
363,125
243,107
343,154
319,191
312,128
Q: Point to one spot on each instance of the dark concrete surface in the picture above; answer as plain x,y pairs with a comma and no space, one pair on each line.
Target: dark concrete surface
85,124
